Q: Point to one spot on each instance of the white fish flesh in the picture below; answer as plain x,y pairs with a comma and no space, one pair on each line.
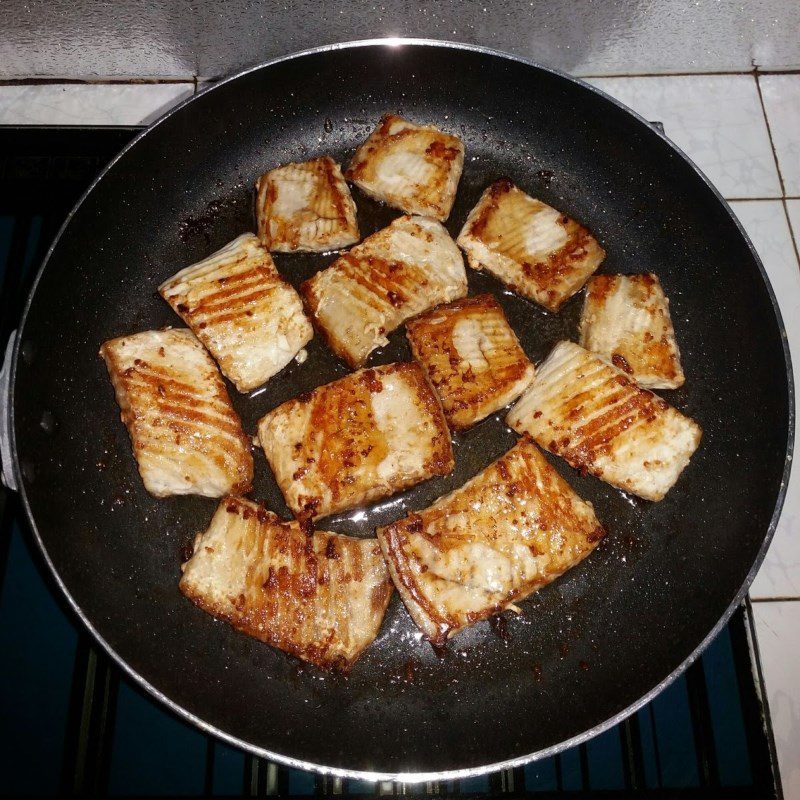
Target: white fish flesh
186,436
250,319
594,415
305,207
535,250
320,597
472,358
363,437
415,168
397,273
626,320
512,529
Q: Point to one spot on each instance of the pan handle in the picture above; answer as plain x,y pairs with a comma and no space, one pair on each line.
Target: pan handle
8,477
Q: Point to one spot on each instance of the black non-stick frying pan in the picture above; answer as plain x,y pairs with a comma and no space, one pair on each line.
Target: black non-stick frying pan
588,649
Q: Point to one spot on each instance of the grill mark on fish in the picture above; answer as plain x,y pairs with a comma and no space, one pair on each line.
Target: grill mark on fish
234,295
468,397
185,435
393,275
446,560
533,248
411,167
626,318
357,439
184,406
597,418
240,308
323,215
279,587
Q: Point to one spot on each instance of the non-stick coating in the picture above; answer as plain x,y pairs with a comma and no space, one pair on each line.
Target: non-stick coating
585,648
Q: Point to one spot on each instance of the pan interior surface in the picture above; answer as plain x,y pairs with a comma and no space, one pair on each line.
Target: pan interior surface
586,647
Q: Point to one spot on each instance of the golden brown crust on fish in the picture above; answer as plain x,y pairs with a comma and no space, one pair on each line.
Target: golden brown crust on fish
537,251
186,437
415,168
592,414
239,307
512,529
305,206
626,319
397,273
320,597
355,440
471,357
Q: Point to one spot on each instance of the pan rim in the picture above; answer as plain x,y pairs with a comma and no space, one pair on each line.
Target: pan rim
411,777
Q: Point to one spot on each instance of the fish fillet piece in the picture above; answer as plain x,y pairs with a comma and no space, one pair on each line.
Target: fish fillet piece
358,439
239,307
415,168
319,596
305,206
537,251
594,416
472,358
186,436
512,529
626,319
397,273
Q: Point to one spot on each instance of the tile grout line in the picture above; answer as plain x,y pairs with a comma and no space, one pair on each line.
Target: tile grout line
784,198
97,82
723,73
49,81
771,199
706,74
781,599
196,79
769,133
792,234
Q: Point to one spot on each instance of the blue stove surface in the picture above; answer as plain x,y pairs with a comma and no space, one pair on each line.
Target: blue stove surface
70,722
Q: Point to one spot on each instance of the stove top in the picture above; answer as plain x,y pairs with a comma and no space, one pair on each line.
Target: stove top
71,722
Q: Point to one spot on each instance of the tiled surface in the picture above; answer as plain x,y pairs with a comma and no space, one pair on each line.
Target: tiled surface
88,104
716,119
765,223
719,121
793,209
778,634
781,95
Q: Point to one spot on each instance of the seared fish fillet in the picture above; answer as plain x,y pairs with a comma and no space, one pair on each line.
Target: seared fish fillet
358,439
320,597
397,273
471,357
240,308
186,436
592,414
305,206
626,319
512,529
415,168
536,251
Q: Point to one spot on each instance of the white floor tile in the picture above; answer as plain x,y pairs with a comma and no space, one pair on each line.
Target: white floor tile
793,207
716,119
782,100
778,634
88,104
765,223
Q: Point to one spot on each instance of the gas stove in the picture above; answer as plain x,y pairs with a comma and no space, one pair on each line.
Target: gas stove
71,721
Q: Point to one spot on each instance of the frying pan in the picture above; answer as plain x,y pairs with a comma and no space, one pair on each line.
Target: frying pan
589,649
